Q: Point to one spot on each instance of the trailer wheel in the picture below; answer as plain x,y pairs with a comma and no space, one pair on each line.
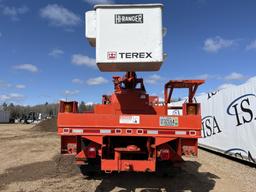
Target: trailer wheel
86,171
167,169
91,168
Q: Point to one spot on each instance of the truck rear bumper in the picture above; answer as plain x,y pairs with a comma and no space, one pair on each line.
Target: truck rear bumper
128,165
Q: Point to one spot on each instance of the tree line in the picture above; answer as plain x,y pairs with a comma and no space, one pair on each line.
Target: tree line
46,109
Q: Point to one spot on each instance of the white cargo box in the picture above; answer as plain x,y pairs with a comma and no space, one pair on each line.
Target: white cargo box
128,36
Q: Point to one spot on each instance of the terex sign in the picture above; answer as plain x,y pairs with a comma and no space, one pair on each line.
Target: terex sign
128,55
131,55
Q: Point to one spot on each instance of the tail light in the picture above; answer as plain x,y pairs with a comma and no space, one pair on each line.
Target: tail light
91,152
192,133
65,130
165,154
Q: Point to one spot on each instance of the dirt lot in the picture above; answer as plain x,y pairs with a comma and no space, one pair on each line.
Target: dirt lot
29,161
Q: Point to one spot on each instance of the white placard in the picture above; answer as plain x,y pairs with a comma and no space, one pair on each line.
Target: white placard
125,119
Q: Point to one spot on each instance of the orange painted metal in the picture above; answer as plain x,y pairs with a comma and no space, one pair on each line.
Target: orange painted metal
191,85
90,121
128,165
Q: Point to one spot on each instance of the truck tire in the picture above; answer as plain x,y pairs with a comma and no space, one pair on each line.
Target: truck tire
91,168
86,171
167,169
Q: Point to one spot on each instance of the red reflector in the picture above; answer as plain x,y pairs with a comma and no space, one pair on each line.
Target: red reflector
128,131
192,133
118,131
91,131
139,131
167,132
65,130
165,154
91,152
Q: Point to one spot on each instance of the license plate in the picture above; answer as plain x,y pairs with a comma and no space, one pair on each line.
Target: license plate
169,121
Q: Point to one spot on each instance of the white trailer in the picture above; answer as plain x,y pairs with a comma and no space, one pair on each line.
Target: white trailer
229,121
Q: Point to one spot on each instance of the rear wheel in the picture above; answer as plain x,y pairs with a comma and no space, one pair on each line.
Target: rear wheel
167,169
91,168
86,171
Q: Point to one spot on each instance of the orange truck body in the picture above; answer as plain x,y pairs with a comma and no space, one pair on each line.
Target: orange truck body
130,130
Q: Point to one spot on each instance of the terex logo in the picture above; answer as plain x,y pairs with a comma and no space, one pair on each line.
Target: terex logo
210,126
242,108
132,55
111,55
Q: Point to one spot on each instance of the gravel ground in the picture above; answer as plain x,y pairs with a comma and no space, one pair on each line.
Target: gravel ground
30,162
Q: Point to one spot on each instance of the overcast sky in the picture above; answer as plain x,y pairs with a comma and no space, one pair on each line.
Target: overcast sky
44,55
